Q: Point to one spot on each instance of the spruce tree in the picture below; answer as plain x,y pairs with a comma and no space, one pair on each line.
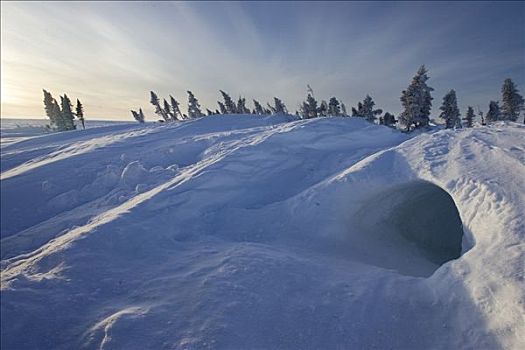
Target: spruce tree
138,116
68,117
343,110
279,107
51,111
511,102
168,111
333,107
194,108
368,111
389,120
309,107
158,109
450,111
258,108
59,120
222,107
469,117
416,101
241,106
359,111
208,112
322,111
175,108
229,105
494,112
80,113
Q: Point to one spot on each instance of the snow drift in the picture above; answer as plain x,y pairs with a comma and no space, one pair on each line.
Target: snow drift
246,232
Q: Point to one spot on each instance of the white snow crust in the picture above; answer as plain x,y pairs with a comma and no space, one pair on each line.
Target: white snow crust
240,232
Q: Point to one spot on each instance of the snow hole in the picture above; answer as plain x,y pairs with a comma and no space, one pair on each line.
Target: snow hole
416,227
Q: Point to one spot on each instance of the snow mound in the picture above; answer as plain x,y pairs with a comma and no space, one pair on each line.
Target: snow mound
264,232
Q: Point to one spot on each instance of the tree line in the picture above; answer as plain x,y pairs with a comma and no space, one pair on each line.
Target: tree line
416,101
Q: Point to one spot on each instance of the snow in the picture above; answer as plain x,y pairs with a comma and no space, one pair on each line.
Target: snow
263,232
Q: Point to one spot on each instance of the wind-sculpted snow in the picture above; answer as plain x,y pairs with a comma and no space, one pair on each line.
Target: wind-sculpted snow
246,232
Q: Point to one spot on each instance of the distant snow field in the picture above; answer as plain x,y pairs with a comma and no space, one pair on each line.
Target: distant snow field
241,232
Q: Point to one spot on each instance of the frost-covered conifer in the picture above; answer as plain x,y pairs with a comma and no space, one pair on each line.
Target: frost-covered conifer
258,108
222,108
322,111
194,108
333,107
469,118
279,107
389,120
450,111
67,120
241,106
52,112
168,111
511,101
357,112
80,113
309,107
343,110
416,101
494,112
158,109
175,108
368,111
230,107
138,116
208,112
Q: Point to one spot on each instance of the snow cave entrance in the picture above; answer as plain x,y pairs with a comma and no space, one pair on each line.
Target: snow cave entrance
416,226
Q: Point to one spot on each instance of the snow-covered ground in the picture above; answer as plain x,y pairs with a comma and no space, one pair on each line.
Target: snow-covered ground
15,130
238,232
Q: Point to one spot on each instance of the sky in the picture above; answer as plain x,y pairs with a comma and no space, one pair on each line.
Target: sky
111,54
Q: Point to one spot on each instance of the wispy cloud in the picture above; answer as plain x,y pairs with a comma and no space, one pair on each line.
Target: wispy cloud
110,54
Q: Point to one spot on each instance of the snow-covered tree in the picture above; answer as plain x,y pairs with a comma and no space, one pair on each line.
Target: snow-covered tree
322,111
389,120
67,120
358,112
258,108
450,111
494,112
138,116
194,108
512,102
366,110
278,107
52,110
222,108
168,111
469,117
343,110
241,106
158,109
309,107
175,108
416,101
79,111
229,105
334,108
